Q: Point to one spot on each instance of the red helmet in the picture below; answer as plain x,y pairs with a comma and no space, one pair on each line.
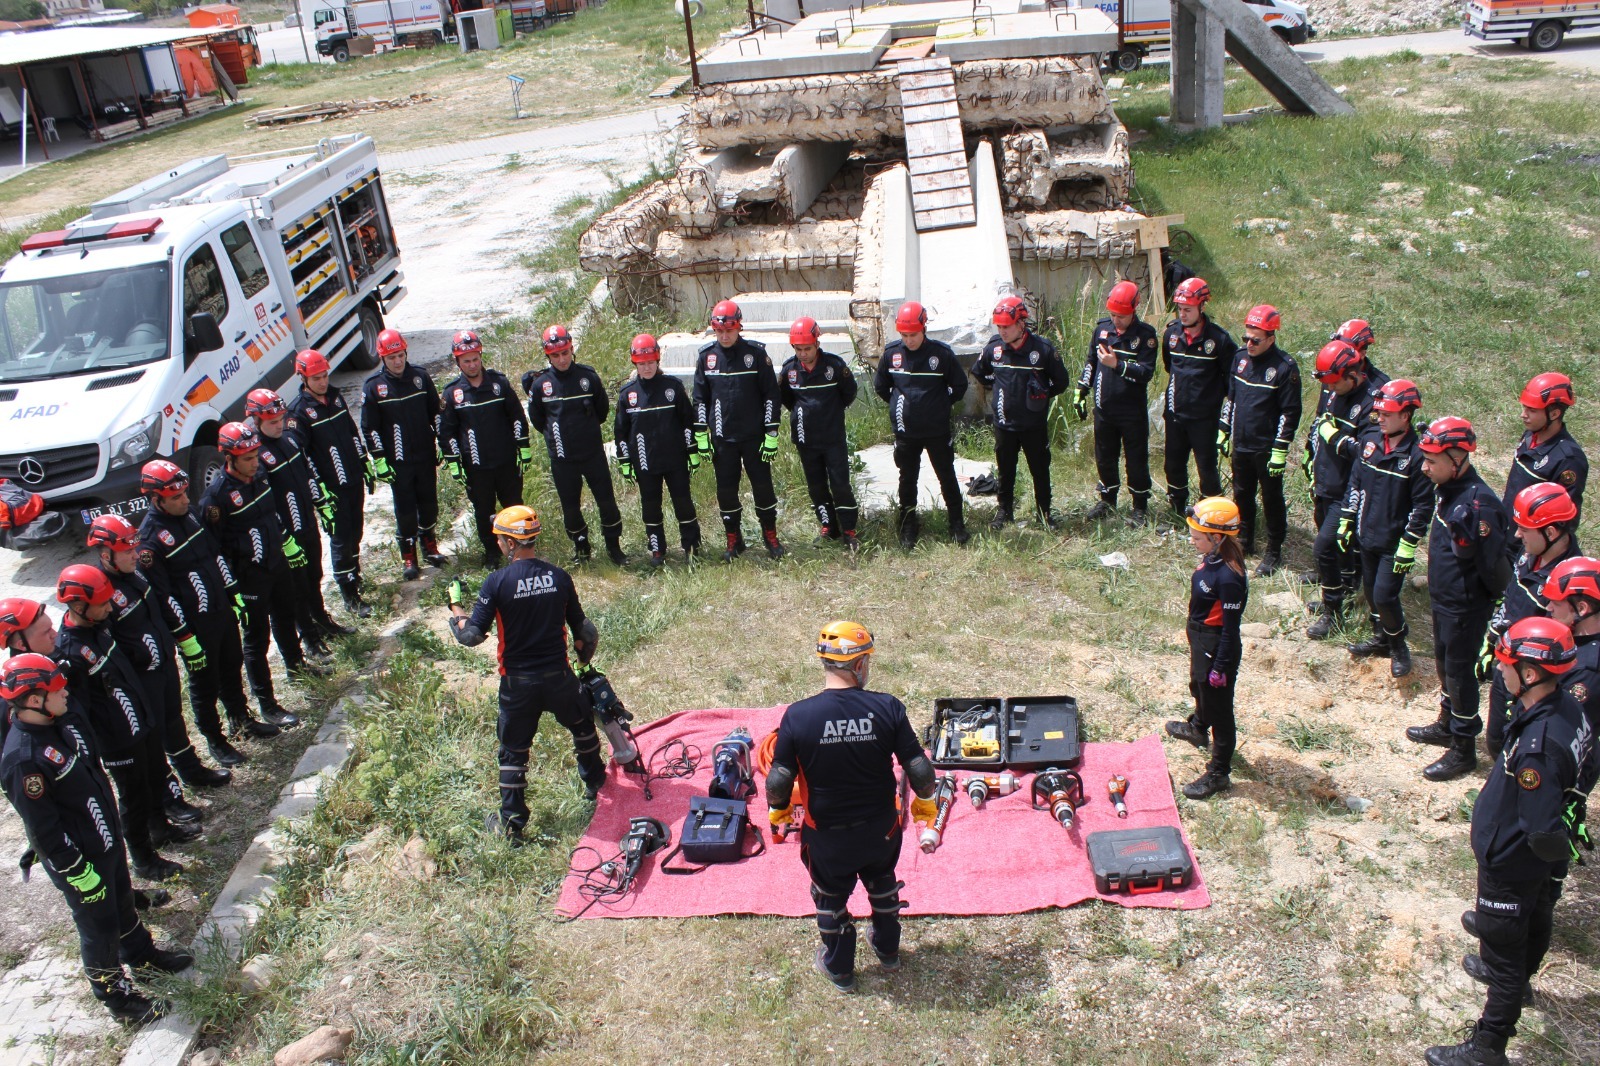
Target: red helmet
1337,359
1543,504
23,675
80,583
310,363
1577,576
264,403
237,438
803,330
1396,395
466,342
1264,316
1123,299
1448,432
1010,311
1541,642
1354,332
644,349
726,315
17,614
114,532
911,318
390,343
1547,389
161,478
556,340
1192,292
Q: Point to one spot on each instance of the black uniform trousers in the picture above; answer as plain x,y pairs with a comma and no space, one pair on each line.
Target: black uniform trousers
1186,437
345,539
569,476
1130,438
836,858
942,457
1250,474
222,677
270,605
1514,922
1213,707
1033,443
140,774
485,486
827,471
523,700
1381,586
678,485
1456,640
728,459
163,694
109,930
1337,571
416,501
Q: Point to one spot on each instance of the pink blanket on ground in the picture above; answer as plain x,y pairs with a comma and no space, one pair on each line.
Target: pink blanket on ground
1004,859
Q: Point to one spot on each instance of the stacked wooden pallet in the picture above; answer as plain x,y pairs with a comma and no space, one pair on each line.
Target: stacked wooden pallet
332,109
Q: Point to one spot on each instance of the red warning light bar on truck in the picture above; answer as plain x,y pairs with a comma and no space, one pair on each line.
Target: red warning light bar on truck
105,231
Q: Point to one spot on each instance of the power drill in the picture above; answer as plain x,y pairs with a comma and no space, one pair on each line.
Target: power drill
1059,791
731,775
944,794
980,788
1118,788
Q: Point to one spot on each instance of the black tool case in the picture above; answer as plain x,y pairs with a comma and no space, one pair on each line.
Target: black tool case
1034,732
1139,860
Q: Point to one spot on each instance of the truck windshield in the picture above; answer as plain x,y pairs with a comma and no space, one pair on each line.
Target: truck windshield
84,323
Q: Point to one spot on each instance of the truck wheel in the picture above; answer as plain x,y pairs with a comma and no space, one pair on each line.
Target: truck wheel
341,54
365,356
204,462
1125,61
1546,36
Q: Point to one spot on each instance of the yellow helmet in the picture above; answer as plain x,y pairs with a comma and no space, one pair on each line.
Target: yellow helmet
519,523
1215,514
844,642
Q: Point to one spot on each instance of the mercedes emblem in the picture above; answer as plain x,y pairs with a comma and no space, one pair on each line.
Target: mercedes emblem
30,470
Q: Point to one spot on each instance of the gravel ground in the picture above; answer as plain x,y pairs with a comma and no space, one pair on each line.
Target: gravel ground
1382,16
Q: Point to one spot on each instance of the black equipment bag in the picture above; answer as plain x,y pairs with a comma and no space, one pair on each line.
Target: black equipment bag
1139,860
714,831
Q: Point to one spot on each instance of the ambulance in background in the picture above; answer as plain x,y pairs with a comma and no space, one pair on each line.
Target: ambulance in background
1146,27
1536,26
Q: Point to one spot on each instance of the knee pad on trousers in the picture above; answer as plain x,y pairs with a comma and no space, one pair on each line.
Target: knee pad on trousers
833,913
884,894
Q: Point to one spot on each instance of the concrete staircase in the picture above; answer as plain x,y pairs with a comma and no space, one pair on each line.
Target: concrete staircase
767,316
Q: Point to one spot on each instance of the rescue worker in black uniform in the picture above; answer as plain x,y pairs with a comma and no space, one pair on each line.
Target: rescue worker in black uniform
1385,518
1259,419
736,424
921,380
399,415
1198,356
53,778
1357,333
1025,373
297,496
483,433
1547,452
817,386
1520,835
141,633
1344,410
534,605
1468,567
567,404
199,598
1218,593
1572,594
839,747
654,432
102,683
1546,524
320,422
238,510
1116,375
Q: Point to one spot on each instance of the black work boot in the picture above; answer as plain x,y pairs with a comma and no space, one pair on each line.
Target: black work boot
1271,559
1372,647
196,774
1475,969
411,570
125,1003
1462,758
958,529
581,552
278,716
1435,732
1208,784
178,809
1188,730
614,550
844,982
1399,656
430,551
152,866
355,604
1479,1049
164,832
910,528
1330,613
1047,519
165,961
329,626
852,542
225,754
735,548
251,727
146,898
775,549
1139,517
1002,519
1469,922
1100,510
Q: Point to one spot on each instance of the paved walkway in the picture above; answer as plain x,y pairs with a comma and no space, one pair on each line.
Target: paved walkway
41,1001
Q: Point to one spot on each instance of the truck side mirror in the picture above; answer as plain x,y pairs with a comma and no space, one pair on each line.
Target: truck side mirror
203,334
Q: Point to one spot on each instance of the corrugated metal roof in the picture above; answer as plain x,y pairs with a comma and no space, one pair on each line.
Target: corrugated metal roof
45,45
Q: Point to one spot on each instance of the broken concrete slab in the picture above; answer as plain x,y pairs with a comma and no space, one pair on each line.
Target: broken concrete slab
981,35
776,310
965,270
819,44
1196,91
1035,163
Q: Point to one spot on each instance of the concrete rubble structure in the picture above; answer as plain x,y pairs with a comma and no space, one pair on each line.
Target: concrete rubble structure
793,185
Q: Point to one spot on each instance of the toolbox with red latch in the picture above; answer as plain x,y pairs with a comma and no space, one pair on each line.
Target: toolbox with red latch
1137,861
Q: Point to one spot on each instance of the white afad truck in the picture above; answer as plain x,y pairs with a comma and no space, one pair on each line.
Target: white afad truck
1145,26
1536,26
137,331
389,23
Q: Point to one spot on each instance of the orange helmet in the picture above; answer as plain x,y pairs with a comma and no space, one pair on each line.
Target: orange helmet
1355,332
1123,299
1264,316
390,342
1549,389
556,340
23,675
310,363
1398,395
804,331
1577,576
911,318
161,478
114,532
1010,311
1538,641
1448,432
844,642
1215,514
237,438
1337,359
644,349
17,614
264,403
466,342
518,522
726,315
80,583
1192,292
1543,504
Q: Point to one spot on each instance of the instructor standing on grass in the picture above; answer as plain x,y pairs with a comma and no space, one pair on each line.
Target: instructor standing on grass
841,744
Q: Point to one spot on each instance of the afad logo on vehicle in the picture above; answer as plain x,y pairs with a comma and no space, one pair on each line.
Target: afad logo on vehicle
46,410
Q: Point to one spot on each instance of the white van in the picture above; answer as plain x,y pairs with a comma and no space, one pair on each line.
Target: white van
1146,26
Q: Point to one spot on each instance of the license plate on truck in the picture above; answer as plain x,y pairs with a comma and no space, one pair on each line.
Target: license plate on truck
137,505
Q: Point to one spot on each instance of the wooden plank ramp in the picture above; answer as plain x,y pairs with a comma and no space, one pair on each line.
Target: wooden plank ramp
941,184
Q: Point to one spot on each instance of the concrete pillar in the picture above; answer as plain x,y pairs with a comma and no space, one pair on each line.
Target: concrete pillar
1198,56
